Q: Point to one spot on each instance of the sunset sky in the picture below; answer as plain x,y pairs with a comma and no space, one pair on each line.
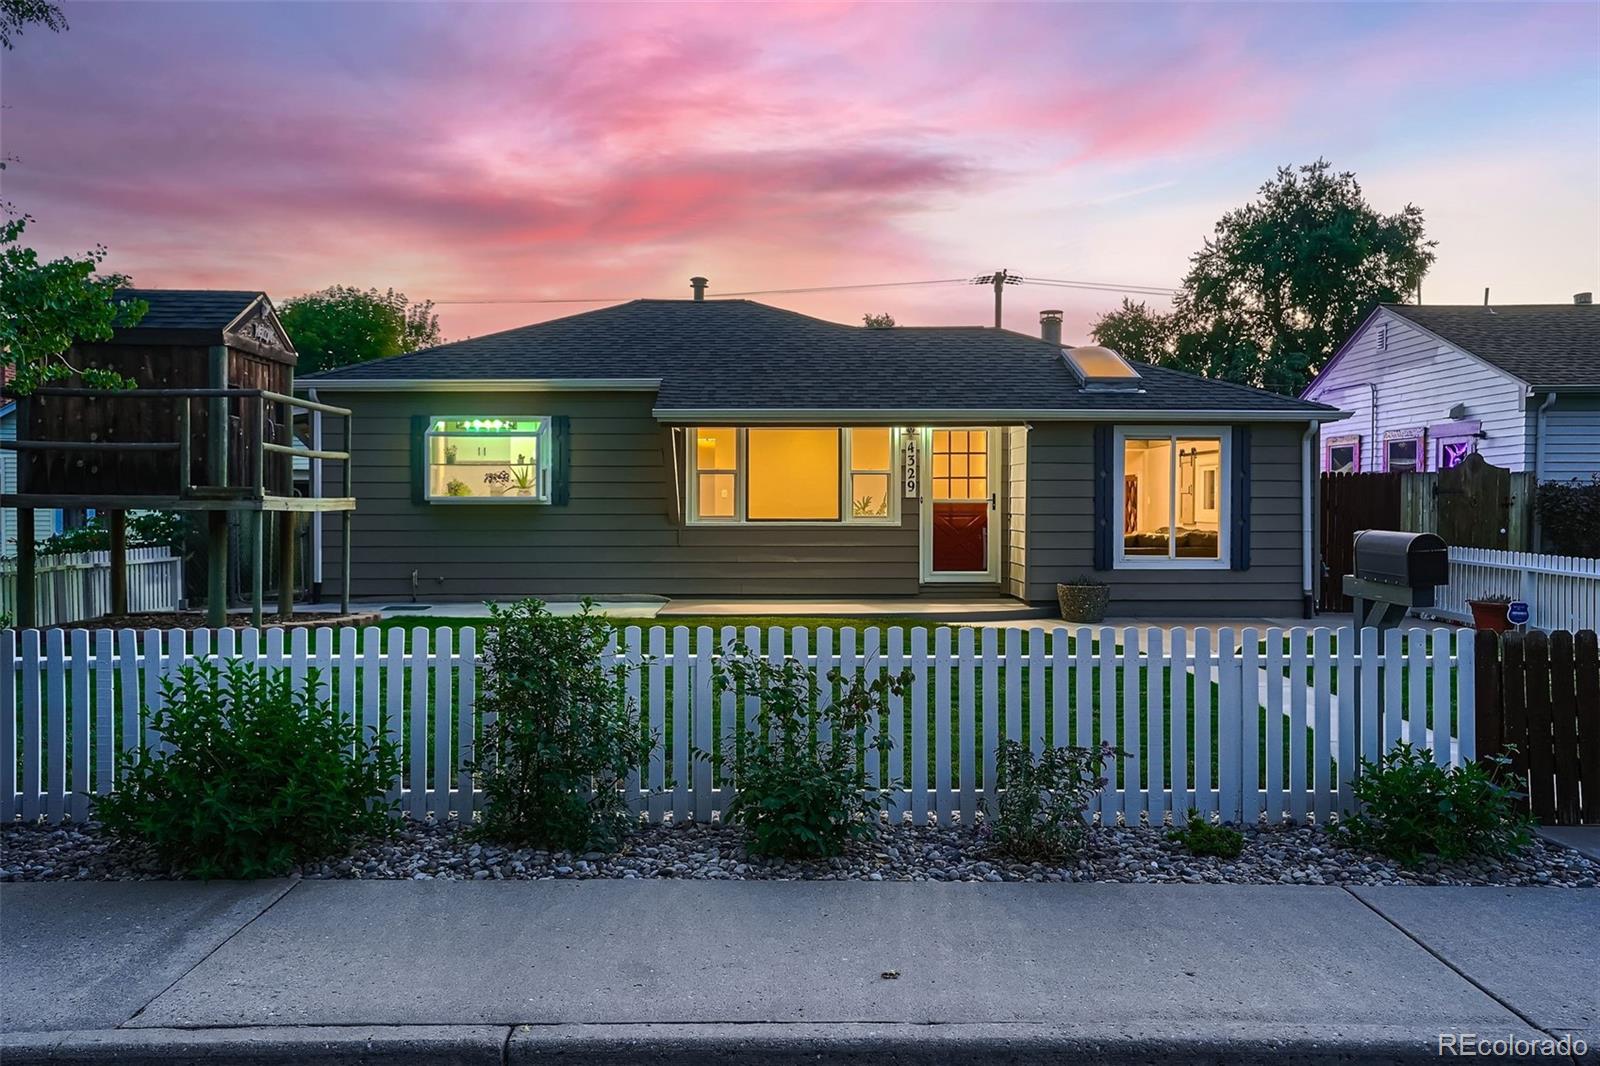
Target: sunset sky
496,151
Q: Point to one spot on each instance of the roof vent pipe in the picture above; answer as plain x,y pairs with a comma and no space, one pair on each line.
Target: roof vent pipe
1583,298
699,287
1050,326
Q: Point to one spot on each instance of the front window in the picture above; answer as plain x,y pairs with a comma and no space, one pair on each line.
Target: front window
1174,500
488,459
1403,453
793,474
1343,456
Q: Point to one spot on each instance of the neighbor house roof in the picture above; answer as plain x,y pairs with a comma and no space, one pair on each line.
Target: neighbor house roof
1545,345
741,356
194,309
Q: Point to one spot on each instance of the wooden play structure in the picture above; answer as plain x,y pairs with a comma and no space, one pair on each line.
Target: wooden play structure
209,427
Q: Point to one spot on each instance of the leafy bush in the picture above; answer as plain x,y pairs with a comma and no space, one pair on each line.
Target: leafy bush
148,529
1203,838
255,775
1569,515
1412,808
1043,799
559,735
800,791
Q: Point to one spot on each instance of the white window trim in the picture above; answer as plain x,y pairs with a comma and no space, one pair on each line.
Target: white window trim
541,496
1224,559
741,477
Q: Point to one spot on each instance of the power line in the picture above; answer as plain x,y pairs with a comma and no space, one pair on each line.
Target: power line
841,288
1090,286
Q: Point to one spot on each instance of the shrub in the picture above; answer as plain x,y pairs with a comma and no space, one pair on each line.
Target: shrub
1203,838
800,794
1569,515
254,775
146,529
1412,808
1043,799
559,735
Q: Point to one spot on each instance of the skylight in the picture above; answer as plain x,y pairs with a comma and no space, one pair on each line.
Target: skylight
1100,368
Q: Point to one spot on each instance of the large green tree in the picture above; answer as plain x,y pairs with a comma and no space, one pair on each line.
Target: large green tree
343,325
1281,282
47,305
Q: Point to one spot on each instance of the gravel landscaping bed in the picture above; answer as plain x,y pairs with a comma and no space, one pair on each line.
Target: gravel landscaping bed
421,851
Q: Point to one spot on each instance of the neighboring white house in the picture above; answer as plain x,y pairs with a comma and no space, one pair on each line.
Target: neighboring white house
1429,385
45,523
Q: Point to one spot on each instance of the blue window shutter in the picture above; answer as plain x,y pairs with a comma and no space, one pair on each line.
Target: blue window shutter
1104,499
560,460
419,458
1241,498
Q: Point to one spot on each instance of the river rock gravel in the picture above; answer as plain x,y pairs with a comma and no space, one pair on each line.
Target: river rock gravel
1299,855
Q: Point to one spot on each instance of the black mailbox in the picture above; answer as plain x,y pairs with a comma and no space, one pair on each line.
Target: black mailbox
1409,560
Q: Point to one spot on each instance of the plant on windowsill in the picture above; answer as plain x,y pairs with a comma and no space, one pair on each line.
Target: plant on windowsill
498,481
869,507
456,488
1489,612
523,478
450,453
1083,599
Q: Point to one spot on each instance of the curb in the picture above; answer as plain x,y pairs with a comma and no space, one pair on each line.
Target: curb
427,1045
725,1044
983,1044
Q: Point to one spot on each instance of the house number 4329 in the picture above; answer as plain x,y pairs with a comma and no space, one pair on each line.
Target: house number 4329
910,465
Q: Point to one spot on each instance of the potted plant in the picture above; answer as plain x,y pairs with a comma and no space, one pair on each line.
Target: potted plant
1083,599
449,453
457,488
498,481
523,478
1489,612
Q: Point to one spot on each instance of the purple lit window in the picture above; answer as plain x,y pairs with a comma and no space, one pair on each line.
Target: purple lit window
1455,452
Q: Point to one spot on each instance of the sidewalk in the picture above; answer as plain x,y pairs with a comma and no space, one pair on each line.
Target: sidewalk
665,972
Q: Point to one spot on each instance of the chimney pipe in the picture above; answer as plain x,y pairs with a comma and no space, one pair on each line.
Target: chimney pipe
1050,326
1583,298
699,287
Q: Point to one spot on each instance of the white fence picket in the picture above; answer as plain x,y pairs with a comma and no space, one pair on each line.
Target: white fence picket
1184,711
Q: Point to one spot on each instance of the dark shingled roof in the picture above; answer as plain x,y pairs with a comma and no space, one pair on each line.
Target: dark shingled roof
741,355
1543,344
197,309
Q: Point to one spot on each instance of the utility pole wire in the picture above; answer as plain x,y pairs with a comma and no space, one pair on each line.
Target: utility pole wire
998,280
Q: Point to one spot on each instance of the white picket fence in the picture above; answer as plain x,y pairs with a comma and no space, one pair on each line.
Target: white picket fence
77,587
1245,724
1561,591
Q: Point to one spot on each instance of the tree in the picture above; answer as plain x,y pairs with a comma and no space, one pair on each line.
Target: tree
45,307
1135,331
15,14
883,321
1282,282
343,325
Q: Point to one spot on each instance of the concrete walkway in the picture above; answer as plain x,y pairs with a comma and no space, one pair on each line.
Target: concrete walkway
660,971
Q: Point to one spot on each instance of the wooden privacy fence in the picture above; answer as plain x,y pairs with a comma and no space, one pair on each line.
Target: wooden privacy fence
1561,591
1539,693
1245,724
77,587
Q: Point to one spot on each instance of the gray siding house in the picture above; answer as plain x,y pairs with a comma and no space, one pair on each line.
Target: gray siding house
1428,385
726,448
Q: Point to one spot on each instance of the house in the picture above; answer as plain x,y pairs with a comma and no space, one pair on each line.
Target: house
1427,386
727,448
46,521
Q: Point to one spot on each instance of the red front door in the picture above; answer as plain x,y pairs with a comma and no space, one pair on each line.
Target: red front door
962,501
